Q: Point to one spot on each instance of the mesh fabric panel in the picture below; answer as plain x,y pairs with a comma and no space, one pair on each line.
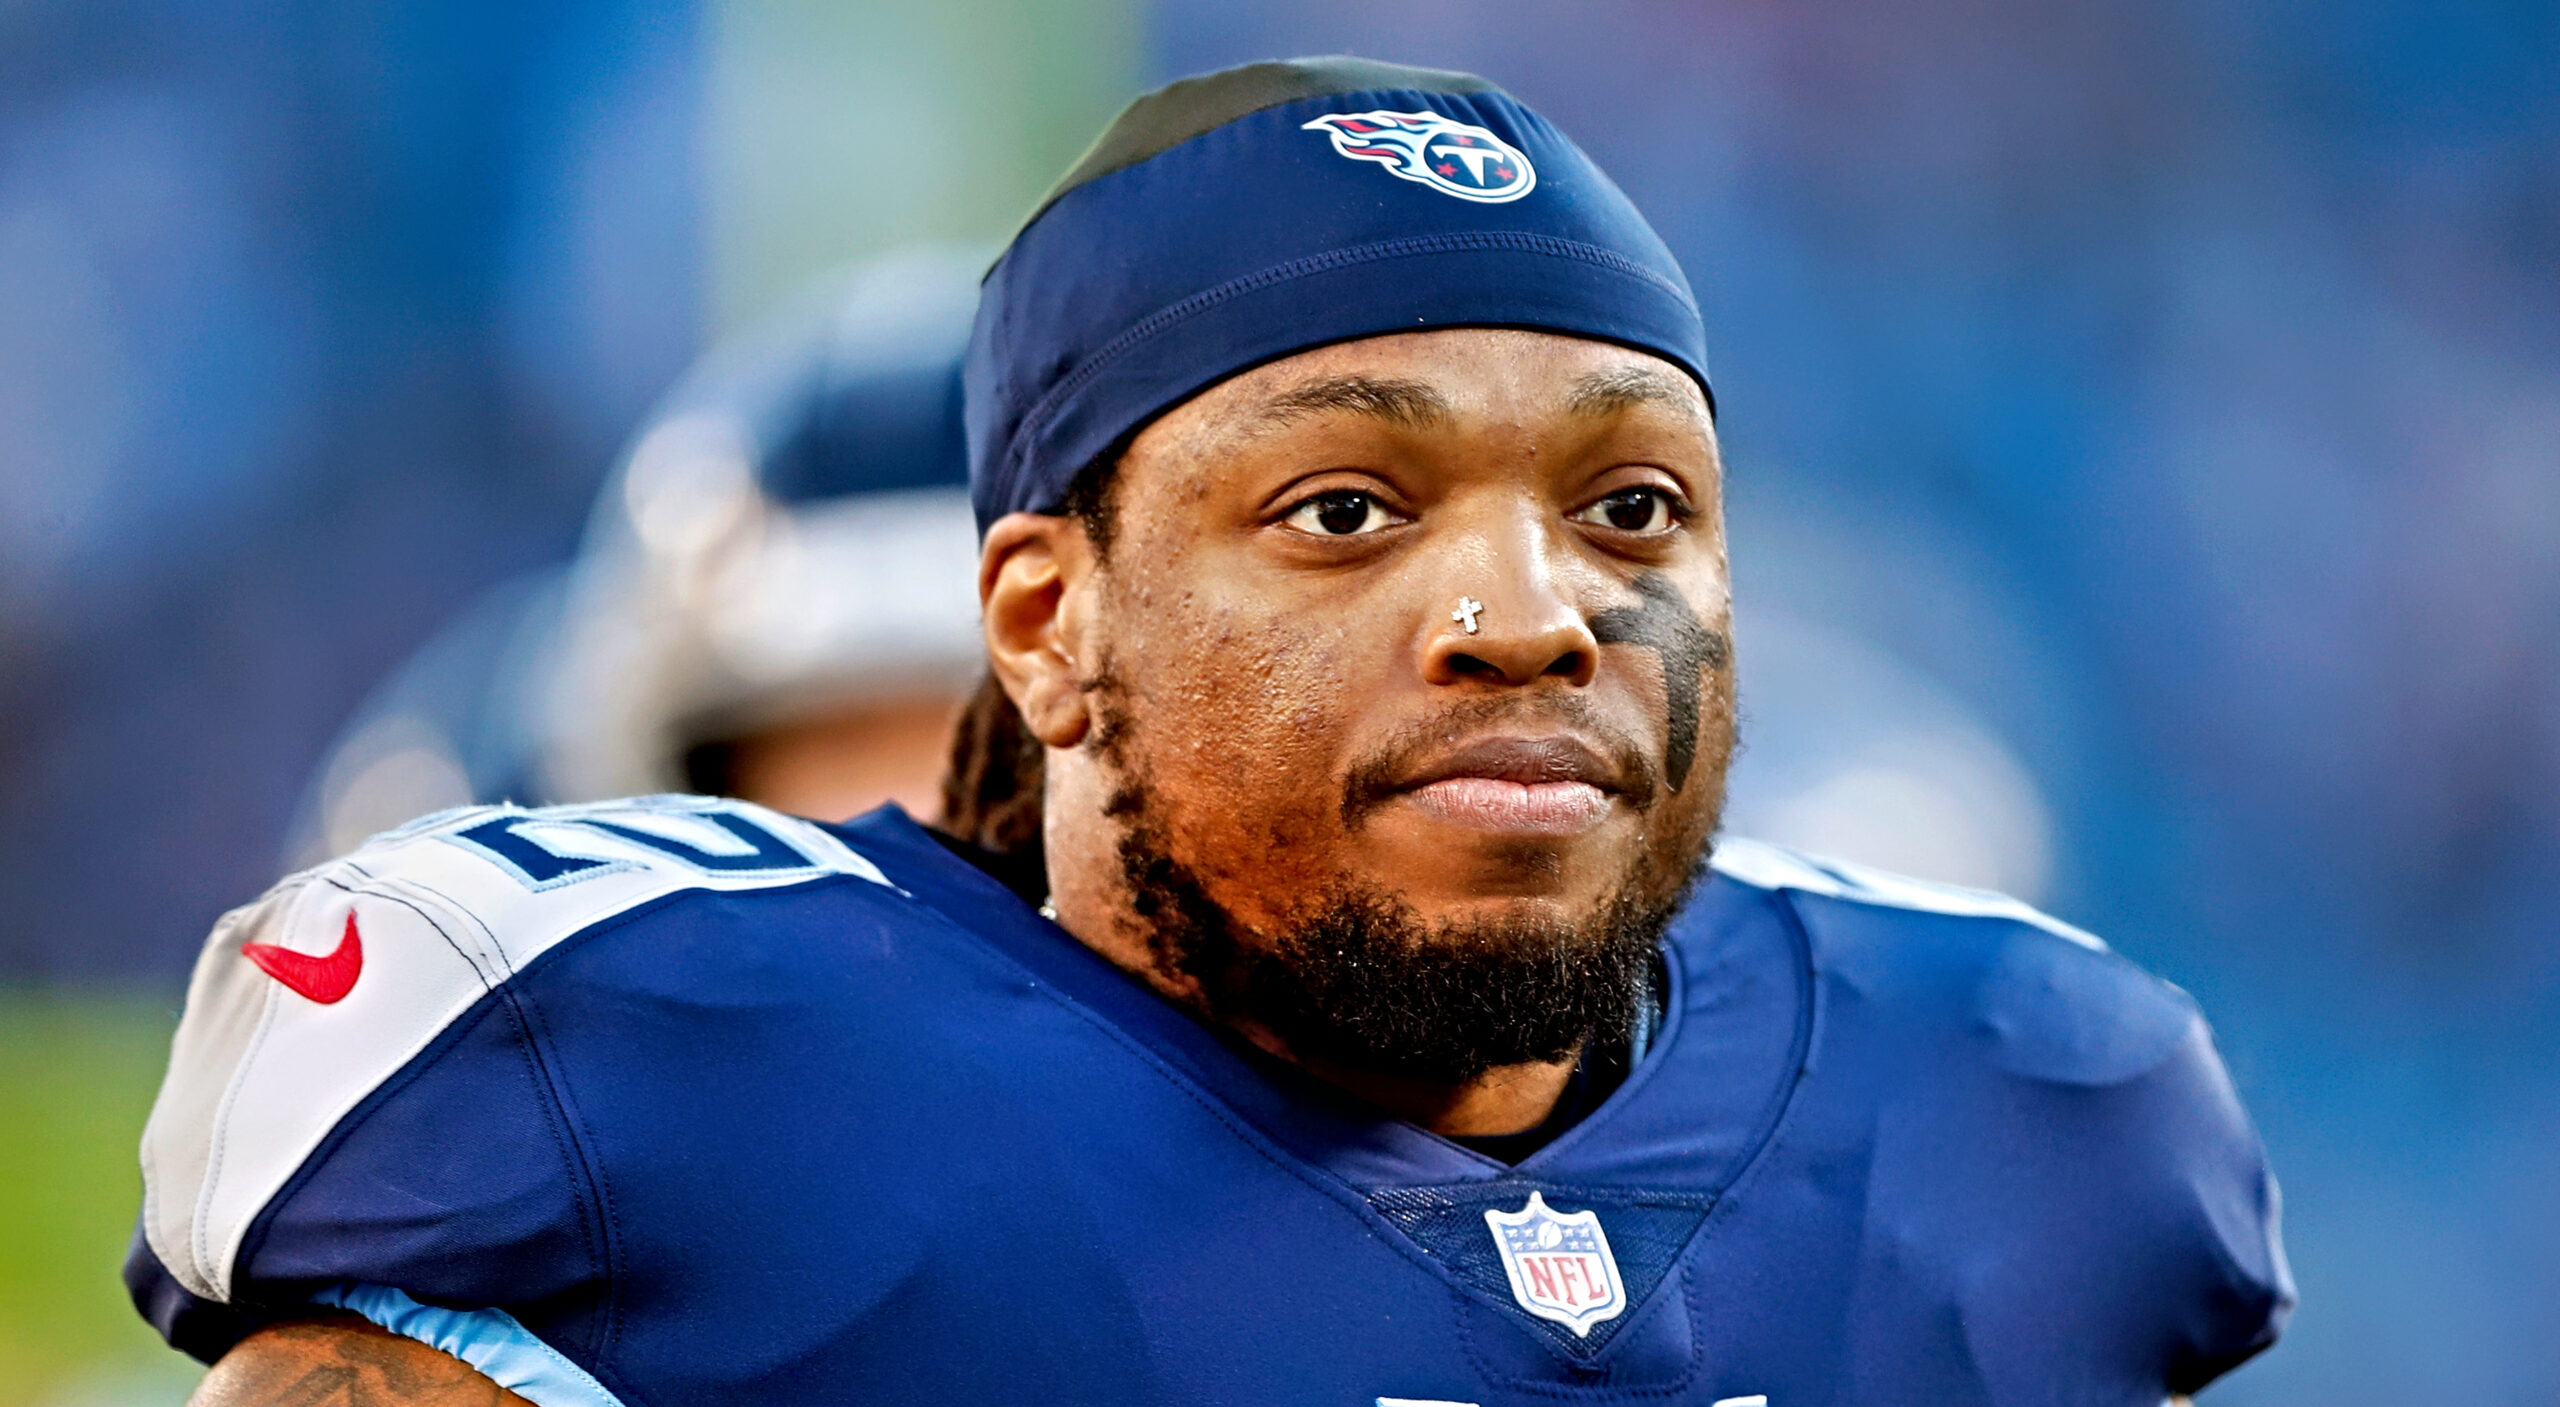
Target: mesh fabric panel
1646,1231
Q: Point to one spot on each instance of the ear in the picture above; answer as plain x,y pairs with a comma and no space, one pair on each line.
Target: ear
1033,576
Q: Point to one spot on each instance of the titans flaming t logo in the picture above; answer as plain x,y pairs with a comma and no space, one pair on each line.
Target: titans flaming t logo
1449,156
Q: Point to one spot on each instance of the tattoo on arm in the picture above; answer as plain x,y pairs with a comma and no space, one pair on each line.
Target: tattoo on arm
1662,621
344,1361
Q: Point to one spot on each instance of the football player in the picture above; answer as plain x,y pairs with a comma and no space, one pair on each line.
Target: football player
1320,993
773,600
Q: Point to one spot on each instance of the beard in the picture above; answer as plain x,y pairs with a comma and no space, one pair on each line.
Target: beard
1358,980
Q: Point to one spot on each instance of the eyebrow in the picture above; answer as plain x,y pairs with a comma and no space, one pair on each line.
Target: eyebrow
1620,387
1412,404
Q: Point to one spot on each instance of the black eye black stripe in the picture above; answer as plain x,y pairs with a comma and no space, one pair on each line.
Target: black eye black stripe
1662,621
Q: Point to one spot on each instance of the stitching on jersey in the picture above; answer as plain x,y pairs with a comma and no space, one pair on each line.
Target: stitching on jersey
150,1161
596,1226
574,1151
1341,1193
388,889
199,1248
1809,1016
490,966
590,1228
1811,1023
1254,1138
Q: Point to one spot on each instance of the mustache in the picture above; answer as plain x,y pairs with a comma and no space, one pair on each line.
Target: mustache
1419,752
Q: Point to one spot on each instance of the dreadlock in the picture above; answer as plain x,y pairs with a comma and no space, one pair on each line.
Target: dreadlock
991,789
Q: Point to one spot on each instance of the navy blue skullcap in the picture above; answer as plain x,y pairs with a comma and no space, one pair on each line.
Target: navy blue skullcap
1235,218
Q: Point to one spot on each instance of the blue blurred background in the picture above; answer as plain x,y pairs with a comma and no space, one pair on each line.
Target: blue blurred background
2144,420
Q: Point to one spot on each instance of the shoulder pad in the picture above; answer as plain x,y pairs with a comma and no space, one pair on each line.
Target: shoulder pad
1765,866
2072,1012
307,1000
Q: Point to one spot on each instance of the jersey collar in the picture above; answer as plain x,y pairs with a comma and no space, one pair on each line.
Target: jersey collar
1693,1131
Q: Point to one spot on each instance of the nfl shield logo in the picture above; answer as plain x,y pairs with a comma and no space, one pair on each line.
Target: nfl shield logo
1560,1266
1452,157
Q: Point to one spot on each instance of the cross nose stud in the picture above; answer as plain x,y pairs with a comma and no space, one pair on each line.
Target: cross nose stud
1465,615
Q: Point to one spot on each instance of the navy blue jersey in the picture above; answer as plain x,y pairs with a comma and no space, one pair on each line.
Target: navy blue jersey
684,1101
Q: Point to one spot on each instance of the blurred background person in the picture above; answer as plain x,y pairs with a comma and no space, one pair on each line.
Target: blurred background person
2193,373
776,596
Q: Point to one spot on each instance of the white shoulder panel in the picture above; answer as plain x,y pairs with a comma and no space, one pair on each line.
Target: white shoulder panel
306,1000
1765,866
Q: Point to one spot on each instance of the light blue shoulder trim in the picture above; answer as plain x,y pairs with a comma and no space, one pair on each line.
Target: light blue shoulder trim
1765,866
490,1340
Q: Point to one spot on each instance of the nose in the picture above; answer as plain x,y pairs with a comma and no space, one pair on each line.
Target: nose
1525,626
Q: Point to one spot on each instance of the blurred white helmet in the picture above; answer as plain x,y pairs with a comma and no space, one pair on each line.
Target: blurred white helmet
788,536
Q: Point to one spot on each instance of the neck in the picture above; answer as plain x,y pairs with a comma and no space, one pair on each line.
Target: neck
1505,1100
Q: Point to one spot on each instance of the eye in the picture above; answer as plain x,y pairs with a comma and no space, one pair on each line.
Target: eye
1340,513
1641,510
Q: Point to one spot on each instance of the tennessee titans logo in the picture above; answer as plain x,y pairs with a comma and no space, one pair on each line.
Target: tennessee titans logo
1559,1264
1451,157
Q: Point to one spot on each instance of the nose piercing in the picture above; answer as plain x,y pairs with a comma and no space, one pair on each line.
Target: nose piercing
1465,615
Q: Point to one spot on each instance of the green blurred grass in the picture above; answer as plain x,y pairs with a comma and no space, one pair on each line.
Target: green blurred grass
77,1074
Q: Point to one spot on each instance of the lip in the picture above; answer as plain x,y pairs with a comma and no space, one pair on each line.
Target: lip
1556,785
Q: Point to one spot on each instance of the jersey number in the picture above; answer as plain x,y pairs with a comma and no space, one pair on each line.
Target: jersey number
542,867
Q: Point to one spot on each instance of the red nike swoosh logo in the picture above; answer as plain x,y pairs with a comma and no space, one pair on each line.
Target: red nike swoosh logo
323,980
